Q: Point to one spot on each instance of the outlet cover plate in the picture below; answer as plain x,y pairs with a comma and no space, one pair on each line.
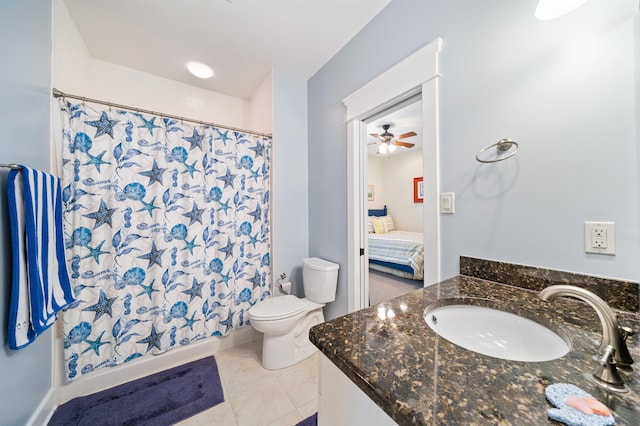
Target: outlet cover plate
600,237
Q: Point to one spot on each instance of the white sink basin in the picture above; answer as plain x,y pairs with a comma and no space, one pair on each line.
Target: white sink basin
486,327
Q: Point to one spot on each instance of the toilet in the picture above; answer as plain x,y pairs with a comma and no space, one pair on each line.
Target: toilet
285,320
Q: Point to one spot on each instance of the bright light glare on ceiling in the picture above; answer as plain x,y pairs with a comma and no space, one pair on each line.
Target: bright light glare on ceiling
200,70
551,9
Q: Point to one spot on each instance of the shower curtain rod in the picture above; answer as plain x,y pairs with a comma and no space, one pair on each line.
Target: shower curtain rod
60,94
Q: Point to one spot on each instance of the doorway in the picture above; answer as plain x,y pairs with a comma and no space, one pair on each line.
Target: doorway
417,74
395,250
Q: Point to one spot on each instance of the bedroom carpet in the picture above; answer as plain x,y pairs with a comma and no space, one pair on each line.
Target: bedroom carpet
163,398
384,286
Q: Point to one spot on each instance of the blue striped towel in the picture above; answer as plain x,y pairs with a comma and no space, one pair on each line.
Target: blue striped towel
40,285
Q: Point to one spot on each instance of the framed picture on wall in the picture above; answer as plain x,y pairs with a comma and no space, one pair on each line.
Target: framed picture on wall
418,190
370,193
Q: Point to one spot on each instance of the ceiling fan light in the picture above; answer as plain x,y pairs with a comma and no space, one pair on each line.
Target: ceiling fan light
391,148
382,149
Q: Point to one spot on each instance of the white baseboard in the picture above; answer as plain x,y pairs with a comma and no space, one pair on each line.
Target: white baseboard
44,411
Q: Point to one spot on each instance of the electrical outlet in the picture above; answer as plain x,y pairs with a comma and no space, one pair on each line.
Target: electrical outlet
600,237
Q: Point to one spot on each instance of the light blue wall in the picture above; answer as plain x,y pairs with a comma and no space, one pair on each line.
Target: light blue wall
566,89
290,177
25,64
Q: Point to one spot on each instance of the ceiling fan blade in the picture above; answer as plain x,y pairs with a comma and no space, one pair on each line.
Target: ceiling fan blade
407,135
373,143
375,135
404,144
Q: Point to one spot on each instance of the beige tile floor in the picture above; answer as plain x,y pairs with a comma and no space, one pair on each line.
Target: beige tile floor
254,396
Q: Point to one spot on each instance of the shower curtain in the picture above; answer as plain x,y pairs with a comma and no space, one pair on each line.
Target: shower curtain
167,233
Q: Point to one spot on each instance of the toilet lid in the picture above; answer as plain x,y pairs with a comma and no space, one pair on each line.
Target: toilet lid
277,308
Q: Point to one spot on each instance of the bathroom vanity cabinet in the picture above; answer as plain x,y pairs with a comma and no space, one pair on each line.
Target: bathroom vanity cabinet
384,365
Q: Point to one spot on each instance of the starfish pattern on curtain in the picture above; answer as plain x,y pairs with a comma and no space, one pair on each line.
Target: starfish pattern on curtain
167,231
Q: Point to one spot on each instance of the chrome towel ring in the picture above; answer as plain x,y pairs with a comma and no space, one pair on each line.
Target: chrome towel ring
502,145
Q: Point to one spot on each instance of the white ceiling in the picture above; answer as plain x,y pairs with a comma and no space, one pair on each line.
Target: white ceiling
242,40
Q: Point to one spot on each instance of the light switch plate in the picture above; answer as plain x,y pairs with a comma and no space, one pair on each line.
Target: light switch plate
447,202
600,237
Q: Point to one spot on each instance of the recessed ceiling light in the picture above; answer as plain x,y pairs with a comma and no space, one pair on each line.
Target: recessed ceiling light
551,9
200,70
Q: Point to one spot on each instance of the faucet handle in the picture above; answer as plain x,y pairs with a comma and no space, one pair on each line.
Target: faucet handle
607,356
626,332
606,374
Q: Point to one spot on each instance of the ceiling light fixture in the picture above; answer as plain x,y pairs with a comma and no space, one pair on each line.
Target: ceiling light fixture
551,9
389,142
386,148
200,70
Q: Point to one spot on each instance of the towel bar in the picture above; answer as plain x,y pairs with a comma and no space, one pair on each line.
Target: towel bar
11,166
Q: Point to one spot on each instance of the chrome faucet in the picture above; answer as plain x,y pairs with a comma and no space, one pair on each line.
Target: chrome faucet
613,348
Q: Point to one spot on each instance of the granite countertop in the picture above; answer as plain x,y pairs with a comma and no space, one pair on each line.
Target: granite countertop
417,377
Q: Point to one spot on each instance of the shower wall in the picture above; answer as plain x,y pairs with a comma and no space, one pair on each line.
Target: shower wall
75,71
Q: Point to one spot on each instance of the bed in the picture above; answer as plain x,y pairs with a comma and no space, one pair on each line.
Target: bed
396,252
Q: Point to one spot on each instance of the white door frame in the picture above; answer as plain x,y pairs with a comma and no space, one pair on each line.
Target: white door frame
418,73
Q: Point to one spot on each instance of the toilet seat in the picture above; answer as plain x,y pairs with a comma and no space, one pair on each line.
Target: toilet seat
277,308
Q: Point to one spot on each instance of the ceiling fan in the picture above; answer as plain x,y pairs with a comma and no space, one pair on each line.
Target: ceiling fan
390,142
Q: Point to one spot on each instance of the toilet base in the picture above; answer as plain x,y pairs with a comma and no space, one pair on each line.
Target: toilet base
288,349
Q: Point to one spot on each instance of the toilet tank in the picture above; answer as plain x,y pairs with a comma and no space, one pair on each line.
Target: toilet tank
319,279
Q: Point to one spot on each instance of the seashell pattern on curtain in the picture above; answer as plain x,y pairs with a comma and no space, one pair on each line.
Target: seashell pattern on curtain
167,233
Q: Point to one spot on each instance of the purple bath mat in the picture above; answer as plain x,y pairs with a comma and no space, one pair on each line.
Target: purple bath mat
159,399
309,421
